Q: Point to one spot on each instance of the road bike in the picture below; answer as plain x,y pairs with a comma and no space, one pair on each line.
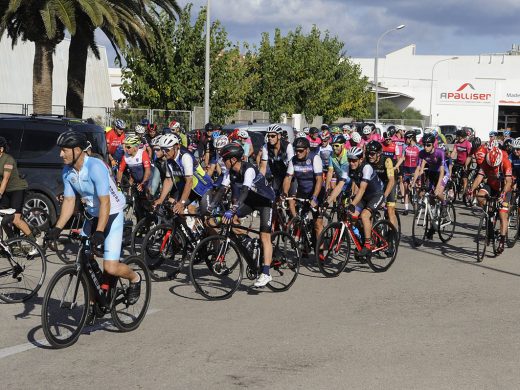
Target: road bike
488,232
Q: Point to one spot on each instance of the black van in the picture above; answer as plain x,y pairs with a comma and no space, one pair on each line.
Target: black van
32,143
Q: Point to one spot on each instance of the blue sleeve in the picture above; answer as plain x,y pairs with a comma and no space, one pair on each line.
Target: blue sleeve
100,177
68,190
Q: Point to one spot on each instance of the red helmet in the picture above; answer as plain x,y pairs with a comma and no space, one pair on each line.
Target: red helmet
494,157
234,135
151,127
174,125
480,155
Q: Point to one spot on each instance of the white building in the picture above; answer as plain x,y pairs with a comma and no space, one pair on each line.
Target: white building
480,91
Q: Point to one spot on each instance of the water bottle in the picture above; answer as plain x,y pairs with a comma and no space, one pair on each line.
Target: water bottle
256,251
356,232
246,241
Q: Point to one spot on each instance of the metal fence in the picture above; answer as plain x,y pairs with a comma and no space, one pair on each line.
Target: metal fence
164,117
100,115
13,108
131,116
56,110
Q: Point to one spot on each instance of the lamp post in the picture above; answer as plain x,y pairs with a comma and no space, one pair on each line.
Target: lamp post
206,73
431,83
401,26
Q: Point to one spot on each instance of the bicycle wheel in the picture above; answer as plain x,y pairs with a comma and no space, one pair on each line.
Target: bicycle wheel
164,250
65,307
295,230
421,226
22,271
128,316
495,238
513,226
66,247
286,262
216,267
447,224
482,238
385,243
334,250
139,233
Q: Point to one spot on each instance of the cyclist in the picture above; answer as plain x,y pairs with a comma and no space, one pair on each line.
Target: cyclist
244,140
383,165
325,150
307,170
338,166
140,131
207,143
276,154
369,196
515,163
461,156
355,140
498,171
255,194
218,165
347,130
409,159
115,139
314,139
176,128
492,138
90,179
137,161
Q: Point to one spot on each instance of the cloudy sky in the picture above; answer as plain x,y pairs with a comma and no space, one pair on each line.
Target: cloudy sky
448,27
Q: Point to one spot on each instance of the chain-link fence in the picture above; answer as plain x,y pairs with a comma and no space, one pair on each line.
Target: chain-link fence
131,116
164,117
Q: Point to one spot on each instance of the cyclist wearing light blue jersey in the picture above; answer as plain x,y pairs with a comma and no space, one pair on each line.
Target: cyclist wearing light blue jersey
339,166
90,179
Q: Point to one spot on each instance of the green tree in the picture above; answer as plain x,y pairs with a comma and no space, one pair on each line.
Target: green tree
389,110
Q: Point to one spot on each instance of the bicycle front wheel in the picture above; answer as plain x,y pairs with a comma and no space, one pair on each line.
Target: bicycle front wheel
482,238
22,271
65,307
140,231
66,247
286,262
447,223
385,243
216,267
128,316
333,249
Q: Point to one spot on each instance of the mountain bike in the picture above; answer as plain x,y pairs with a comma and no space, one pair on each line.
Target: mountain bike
81,292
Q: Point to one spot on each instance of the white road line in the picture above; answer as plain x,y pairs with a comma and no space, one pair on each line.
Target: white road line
9,351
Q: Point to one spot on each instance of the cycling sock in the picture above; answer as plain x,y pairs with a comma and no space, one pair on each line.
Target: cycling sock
367,244
406,206
265,269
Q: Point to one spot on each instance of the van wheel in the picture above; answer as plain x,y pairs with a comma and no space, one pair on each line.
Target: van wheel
35,201
449,139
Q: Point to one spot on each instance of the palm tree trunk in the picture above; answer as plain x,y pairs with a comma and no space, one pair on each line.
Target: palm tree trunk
78,53
42,77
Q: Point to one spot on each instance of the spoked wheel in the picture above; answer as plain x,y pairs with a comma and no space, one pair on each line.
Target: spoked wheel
286,262
22,271
66,247
495,238
216,268
482,238
140,231
164,250
65,307
421,226
334,250
127,316
385,243
513,227
447,224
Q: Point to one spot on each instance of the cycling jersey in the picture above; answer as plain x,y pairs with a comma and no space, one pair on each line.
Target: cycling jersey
366,173
411,156
384,168
247,145
114,140
185,165
375,137
398,141
249,176
391,151
315,143
435,160
136,164
325,153
515,165
305,172
463,151
92,181
278,163
340,166
496,175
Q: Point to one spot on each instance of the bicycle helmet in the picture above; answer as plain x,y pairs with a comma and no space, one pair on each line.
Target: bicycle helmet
314,130
166,130
391,131
493,144
306,130
346,128
174,125
215,135
120,124
220,142
301,134
3,142
243,134
132,140
516,143
232,150
508,145
140,129
400,128
339,139
335,130
156,140
72,139
145,122
494,157
274,128
476,142
301,142
493,133
209,127
356,137
367,130
507,133
428,130
151,127
409,134
325,135
428,139
168,141
460,133
324,127
374,146
387,136
355,153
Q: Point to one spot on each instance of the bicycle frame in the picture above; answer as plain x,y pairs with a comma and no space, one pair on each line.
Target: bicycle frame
347,224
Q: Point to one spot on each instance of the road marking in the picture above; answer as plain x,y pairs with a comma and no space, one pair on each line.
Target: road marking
9,351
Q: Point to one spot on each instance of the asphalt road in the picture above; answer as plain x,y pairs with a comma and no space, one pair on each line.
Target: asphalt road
435,320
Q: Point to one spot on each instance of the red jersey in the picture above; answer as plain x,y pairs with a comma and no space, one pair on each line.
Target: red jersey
411,156
392,150
463,151
496,175
114,140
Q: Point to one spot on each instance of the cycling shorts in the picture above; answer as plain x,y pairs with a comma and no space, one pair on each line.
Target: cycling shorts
371,203
113,234
13,200
408,173
494,193
263,206
433,178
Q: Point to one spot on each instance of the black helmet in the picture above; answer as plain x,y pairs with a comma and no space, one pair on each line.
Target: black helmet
409,134
209,127
428,139
460,133
476,142
72,139
313,130
232,150
339,139
391,131
324,127
301,142
508,144
374,146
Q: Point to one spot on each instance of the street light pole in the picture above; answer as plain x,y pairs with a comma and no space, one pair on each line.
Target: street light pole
206,74
401,26
431,83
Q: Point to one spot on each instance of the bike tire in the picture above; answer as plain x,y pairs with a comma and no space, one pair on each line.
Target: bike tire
482,238
386,237
496,234
128,317
334,244
61,326
66,248
207,274
22,281
447,229
139,233
420,227
285,265
513,227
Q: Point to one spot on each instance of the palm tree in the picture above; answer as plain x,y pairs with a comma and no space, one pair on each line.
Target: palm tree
41,22
130,24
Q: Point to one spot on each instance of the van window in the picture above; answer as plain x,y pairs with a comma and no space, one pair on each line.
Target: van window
38,143
13,137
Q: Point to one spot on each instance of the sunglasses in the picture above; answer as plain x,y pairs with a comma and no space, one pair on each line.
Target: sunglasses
372,154
351,160
129,146
157,149
300,150
337,146
428,145
272,135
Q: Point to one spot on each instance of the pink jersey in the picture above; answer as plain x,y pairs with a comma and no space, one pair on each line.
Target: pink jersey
463,150
411,156
375,137
315,143
398,141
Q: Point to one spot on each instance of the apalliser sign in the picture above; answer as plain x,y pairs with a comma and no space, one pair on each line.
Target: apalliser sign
464,93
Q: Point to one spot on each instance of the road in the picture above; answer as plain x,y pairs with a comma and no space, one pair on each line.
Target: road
435,320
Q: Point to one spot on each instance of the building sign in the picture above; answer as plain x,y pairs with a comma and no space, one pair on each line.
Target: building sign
509,93
464,93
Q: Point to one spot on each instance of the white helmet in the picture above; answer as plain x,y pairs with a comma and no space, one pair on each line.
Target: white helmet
355,137
516,143
347,137
346,127
168,141
301,134
427,130
274,128
243,134
140,129
367,130
220,142
354,153
400,127
306,130
156,140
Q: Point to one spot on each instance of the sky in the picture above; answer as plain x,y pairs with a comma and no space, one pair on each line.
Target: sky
441,27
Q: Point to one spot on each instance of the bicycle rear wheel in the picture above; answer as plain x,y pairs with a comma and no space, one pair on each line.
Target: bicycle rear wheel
513,227
421,226
65,307
128,316
22,271
216,267
447,224
385,243
286,262
482,238
66,247
140,231
334,250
